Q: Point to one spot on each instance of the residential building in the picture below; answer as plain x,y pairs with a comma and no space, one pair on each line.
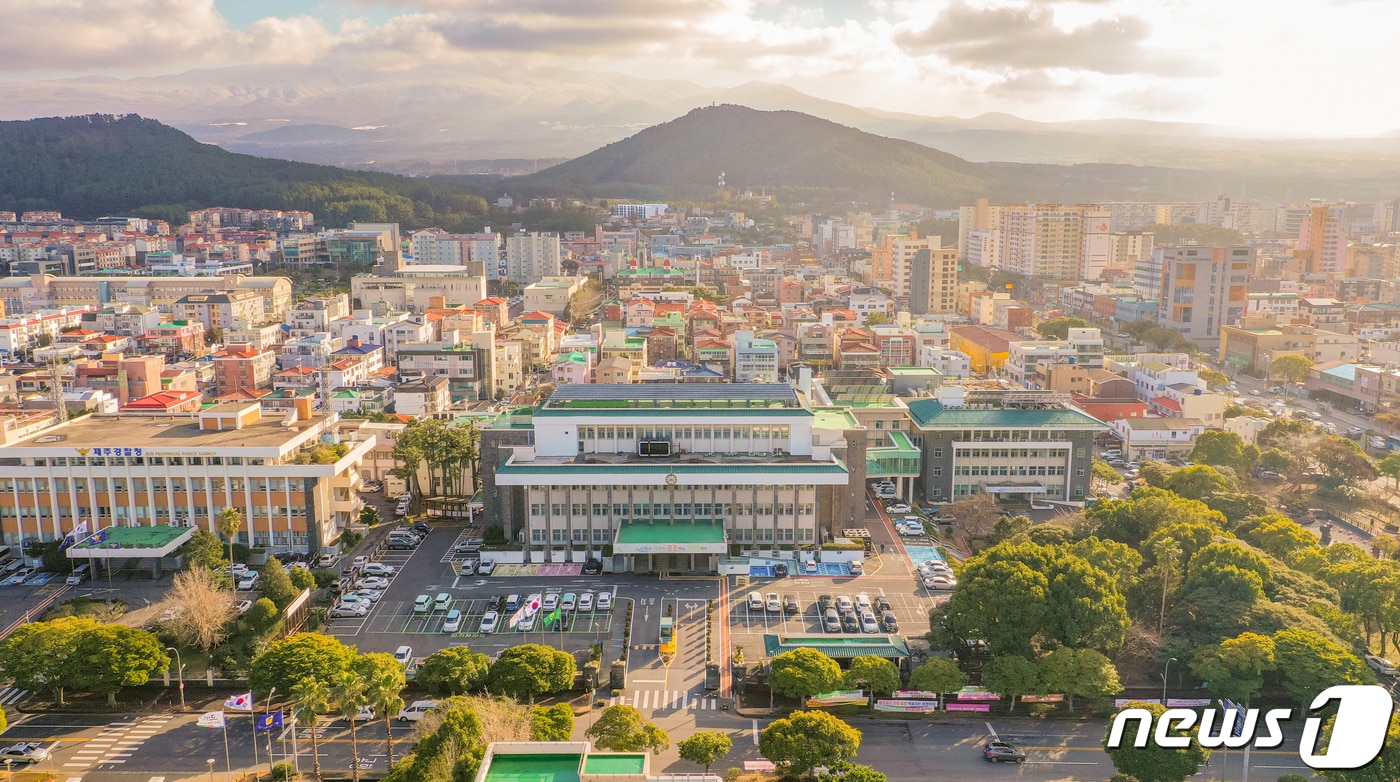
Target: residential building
670,475
316,313
1157,438
980,217
1042,240
1204,288
616,370
552,294
466,363
125,377
222,311
933,281
988,348
531,257
576,366
121,471
242,368
1083,347
430,397
755,360
1020,446
23,333
400,288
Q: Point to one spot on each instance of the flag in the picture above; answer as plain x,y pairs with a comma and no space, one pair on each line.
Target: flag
211,719
555,616
100,537
269,721
73,537
242,702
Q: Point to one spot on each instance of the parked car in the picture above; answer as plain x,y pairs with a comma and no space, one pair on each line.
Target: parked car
378,569
348,610
882,604
24,752
780,570
773,604
486,568
940,582
364,714
373,582
997,751
550,602
513,602
605,601
468,568
831,621
490,621
755,601
790,605
401,544
585,601
1381,665
857,569
568,602
415,711
359,562
248,582
844,604
888,622
422,604
527,622
863,602
593,567
372,595
422,527
900,508
242,606
403,654
850,623
868,623
825,601
443,602
453,622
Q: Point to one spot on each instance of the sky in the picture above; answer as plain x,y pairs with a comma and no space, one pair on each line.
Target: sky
1287,67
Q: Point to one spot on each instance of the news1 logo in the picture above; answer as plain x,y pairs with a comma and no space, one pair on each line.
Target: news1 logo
1358,735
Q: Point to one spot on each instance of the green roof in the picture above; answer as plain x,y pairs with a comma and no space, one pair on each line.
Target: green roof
685,532
615,764
533,768
834,418
665,468
137,537
839,646
929,413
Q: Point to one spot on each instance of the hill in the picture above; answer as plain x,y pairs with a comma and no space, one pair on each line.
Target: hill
777,150
101,164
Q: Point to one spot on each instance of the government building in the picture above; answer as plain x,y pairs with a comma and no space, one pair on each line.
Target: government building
294,485
669,477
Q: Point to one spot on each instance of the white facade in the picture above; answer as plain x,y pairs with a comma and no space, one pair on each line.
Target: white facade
532,257
951,363
755,360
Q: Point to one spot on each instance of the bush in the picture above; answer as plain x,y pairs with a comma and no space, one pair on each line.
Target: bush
241,552
350,538
1291,777
284,771
325,576
302,578
495,536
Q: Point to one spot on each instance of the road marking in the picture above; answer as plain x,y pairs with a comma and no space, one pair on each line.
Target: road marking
1061,763
990,729
755,733
651,681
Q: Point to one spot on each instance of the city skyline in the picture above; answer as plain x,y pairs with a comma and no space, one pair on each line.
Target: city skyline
1182,61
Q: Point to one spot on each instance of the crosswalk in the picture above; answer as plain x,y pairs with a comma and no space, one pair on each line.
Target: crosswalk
117,742
666,700
12,695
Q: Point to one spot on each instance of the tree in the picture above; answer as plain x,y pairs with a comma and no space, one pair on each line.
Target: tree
1058,328
1082,672
1236,507
369,516
205,550
1008,527
1104,473
552,723
1280,431
622,729
705,747
1341,462
1134,520
806,739
1213,378
276,585
301,578
1279,536
309,698
455,670
349,688
453,751
1224,449
229,522
1291,368
1276,460
1136,329
1198,482
976,514
110,657
1163,338
1003,602
204,606
1310,662
1384,768
1155,473
872,673
802,673
263,616
846,771
1235,667
289,660
1153,763
38,656
1011,676
1390,467
384,682
530,670
938,675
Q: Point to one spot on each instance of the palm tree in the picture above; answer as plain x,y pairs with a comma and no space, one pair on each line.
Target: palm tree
349,697
382,692
230,521
309,699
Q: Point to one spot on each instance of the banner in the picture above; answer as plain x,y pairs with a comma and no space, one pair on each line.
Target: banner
920,694
211,719
972,694
907,706
269,721
1187,703
968,707
1119,703
839,698
242,702
1055,698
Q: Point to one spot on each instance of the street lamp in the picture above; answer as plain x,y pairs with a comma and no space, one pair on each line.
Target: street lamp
181,674
1166,668
210,761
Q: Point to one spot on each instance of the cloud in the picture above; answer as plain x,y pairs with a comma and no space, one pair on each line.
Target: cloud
1028,37
96,34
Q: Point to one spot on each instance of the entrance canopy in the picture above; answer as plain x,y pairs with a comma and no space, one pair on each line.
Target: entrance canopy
131,543
890,647
698,536
1014,489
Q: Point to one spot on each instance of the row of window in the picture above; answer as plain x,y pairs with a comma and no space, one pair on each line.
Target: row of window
144,461
160,514
1011,469
702,489
661,510
140,485
998,435
966,489
1004,453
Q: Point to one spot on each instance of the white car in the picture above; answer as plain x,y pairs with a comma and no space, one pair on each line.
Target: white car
348,610
453,622
772,603
868,623
371,595
1381,665
527,622
403,654
910,531
844,604
373,582
359,561
863,602
551,601
248,582
24,752
490,622
486,568
900,508
415,711
605,600
242,606
585,601
364,714
378,569
940,582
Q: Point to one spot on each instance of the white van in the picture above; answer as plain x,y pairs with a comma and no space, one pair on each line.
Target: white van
415,711
755,601
79,575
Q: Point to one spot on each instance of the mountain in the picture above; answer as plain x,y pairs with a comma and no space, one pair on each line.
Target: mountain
763,149
430,120
101,164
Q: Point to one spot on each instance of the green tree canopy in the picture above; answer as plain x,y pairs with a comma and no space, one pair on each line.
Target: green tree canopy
874,674
939,675
204,549
1290,368
276,585
806,739
455,670
1133,520
39,655
1280,432
1224,449
802,673
1058,328
623,729
452,752
551,723
1078,672
302,656
1011,676
1198,482
112,657
1153,763
704,747
531,670
1310,663
384,679
1235,667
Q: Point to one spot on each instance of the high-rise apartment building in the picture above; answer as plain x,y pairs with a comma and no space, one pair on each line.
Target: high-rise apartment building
532,257
981,216
1203,288
933,281
1322,242
1042,240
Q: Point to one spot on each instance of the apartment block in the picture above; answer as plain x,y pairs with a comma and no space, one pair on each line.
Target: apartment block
1204,288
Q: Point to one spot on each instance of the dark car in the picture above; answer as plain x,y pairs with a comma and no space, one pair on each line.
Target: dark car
790,605
400,544
422,527
825,601
882,604
1001,751
593,567
496,603
888,622
780,570
850,623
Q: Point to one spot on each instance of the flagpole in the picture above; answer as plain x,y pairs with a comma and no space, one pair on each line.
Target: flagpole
296,753
267,713
252,712
228,760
